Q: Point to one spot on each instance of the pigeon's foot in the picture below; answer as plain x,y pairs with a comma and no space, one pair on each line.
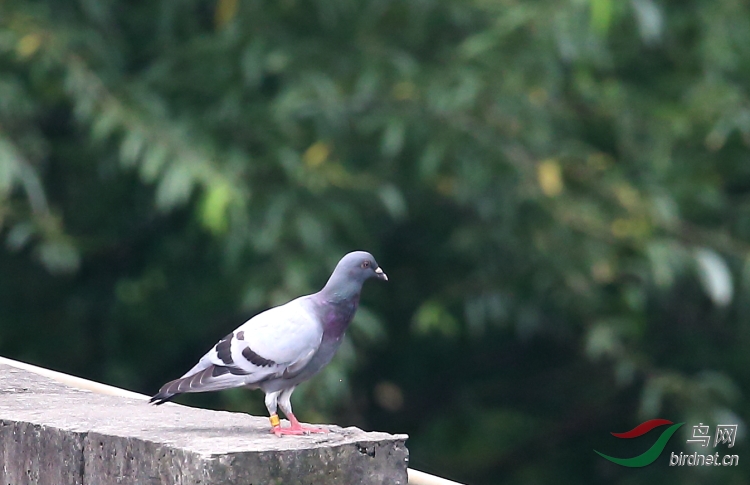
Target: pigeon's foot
304,428
279,431
295,429
311,429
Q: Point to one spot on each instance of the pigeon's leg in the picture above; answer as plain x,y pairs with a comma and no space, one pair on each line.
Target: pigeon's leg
285,403
271,401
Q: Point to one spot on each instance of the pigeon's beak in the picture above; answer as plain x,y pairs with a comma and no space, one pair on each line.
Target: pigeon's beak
381,275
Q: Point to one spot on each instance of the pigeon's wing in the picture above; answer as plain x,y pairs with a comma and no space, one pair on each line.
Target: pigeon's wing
274,343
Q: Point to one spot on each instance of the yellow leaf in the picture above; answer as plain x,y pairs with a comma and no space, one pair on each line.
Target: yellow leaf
550,178
225,12
316,154
28,45
627,196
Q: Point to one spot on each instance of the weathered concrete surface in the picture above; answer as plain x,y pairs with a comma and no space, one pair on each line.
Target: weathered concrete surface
51,434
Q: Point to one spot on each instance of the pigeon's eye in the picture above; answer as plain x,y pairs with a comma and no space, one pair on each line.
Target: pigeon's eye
365,264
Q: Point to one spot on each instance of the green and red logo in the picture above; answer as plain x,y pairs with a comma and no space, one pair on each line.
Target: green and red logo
649,456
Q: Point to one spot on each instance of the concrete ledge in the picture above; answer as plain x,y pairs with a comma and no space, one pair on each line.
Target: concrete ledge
51,434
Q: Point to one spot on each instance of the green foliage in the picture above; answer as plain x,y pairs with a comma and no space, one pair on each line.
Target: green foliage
558,192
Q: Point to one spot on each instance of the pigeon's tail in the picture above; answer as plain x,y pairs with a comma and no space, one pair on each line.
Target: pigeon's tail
213,378
163,395
168,391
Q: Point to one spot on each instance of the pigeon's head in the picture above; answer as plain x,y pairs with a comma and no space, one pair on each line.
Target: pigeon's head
351,272
359,266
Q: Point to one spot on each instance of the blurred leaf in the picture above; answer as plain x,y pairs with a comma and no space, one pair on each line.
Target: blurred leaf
650,20
214,209
28,45
19,235
393,138
601,15
393,201
131,148
104,125
153,162
432,317
603,341
225,12
175,187
59,256
550,179
9,170
316,154
430,161
715,276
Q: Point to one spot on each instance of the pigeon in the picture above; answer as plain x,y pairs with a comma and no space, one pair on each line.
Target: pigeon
283,346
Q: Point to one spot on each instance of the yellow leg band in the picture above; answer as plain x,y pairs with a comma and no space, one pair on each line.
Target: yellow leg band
275,420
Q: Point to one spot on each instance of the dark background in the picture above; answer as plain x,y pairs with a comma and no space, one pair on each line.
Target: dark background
559,192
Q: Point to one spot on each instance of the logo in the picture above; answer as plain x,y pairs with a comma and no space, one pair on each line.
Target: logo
649,456
725,435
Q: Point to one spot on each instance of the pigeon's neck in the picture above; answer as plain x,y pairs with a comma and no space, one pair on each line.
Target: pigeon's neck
338,314
340,288
339,300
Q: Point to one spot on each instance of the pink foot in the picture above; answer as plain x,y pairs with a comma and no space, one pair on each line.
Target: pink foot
311,429
279,431
305,429
296,428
